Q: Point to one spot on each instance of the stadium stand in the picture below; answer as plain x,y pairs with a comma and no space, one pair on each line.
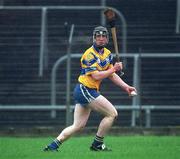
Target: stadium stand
151,29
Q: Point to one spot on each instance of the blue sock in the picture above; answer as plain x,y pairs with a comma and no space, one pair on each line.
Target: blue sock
55,144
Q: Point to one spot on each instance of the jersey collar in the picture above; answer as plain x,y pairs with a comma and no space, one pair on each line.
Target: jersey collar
100,51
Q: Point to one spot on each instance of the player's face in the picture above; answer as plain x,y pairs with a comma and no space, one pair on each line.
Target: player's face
101,40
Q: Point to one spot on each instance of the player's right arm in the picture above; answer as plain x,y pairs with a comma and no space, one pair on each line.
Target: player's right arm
99,75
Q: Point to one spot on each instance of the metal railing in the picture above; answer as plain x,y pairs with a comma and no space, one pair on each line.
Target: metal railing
136,106
136,101
136,80
178,17
44,22
146,108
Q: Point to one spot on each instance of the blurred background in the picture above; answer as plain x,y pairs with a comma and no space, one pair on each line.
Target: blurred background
40,47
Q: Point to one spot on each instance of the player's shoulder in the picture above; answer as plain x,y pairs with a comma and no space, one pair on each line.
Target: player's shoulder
89,54
107,51
89,50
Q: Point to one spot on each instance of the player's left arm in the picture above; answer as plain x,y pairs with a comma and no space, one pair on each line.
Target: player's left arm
119,82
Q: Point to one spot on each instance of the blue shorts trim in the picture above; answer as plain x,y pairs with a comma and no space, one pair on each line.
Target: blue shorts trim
84,95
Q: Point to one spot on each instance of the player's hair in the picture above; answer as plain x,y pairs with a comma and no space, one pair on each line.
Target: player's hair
100,30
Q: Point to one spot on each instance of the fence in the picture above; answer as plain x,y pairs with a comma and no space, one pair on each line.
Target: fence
167,98
136,106
44,22
136,82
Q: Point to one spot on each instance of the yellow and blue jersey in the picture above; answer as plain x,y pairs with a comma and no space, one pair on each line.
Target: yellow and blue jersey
92,61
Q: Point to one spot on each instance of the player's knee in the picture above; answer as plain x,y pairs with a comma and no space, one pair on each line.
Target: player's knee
79,127
114,115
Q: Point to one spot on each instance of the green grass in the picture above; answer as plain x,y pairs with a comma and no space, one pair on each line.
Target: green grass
124,147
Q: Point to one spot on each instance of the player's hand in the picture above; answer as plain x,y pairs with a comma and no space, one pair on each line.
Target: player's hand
130,89
118,66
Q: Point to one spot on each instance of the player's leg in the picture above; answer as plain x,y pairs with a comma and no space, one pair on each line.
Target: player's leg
103,106
81,115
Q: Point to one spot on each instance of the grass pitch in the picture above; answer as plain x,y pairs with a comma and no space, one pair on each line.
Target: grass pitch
124,147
